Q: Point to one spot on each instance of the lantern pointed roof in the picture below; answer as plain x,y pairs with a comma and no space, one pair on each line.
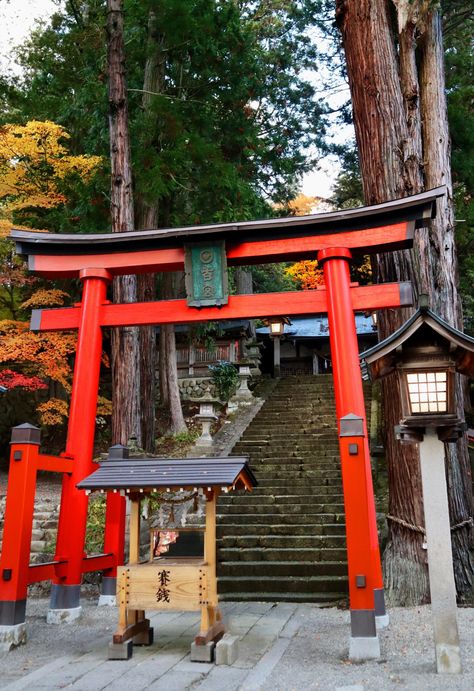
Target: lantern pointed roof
380,360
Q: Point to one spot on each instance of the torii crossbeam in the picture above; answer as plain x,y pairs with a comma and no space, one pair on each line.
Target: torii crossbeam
333,239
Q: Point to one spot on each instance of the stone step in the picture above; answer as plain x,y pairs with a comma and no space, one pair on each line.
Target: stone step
279,569
280,529
275,485
38,546
283,408
257,497
42,515
322,461
266,450
295,470
47,506
50,534
277,431
273,443
263,448
37,534
286,509
309,456
311,424
325,466
296,584
265,442
288,554
281,542
309,420
287,404
271,596
286,540
277,451
303,399
288,464
275,518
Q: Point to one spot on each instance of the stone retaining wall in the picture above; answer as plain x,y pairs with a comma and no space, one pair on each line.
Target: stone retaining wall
196,387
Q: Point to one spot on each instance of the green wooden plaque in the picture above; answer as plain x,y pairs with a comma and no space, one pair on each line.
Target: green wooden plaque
206,274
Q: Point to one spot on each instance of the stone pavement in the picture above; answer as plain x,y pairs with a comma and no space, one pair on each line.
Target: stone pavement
283,647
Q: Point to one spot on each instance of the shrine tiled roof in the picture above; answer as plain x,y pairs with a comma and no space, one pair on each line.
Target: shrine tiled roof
157,473
318,327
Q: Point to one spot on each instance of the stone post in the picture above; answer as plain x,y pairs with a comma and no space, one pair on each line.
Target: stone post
440,558
276,356
206,417
243,392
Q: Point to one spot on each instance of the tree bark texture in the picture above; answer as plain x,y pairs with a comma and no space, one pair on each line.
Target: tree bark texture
146,213
149,215
244,286
397,87
124,341
169,365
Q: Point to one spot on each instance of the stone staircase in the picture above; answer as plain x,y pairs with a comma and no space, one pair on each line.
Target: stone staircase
285,541
45,521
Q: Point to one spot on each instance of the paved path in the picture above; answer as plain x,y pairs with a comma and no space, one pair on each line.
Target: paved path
283,647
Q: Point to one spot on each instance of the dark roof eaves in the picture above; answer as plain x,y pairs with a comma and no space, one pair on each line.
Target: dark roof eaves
31,242
399,336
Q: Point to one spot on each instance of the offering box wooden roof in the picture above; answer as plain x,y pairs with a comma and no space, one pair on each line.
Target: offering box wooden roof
132,475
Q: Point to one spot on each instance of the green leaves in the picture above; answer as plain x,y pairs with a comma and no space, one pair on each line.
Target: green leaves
227,126
225,377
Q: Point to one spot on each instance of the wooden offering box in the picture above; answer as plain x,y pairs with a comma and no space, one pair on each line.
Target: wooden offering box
167,581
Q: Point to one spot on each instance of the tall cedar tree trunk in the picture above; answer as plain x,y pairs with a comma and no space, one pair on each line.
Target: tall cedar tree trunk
168,361
148,214
396,77
244,286
125,344
147,217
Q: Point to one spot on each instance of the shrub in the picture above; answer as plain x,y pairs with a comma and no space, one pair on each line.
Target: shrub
224,377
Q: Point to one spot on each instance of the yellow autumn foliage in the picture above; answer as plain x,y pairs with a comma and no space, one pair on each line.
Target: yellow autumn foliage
45,298
34,161
6,225
53,411
301,205
104,406
45,354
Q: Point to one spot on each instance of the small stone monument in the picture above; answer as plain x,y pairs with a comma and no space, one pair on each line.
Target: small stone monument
243,395
206,417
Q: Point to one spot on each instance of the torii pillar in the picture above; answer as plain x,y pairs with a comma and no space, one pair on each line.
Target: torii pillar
363,555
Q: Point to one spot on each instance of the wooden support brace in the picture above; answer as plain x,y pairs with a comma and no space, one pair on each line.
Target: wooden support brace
125,634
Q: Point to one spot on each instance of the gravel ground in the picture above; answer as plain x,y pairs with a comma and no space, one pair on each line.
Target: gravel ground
317,655
283,648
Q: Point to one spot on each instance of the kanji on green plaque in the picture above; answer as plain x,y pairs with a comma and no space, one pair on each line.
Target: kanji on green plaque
206,274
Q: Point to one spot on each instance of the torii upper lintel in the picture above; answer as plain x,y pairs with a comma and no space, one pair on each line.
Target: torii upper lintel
365,230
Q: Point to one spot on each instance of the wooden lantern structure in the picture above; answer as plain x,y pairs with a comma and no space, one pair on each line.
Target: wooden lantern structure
276,326
426,352
165,582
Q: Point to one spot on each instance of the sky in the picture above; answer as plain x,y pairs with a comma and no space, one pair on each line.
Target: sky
17,18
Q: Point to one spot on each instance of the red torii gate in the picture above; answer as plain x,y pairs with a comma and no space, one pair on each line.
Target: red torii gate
332,238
